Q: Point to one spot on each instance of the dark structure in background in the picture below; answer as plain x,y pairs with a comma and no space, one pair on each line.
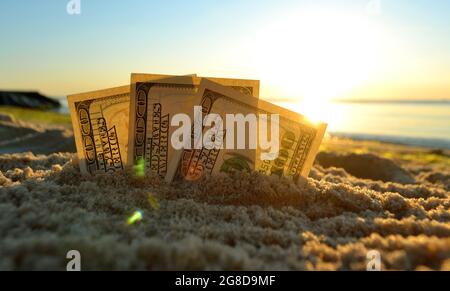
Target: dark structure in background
28,100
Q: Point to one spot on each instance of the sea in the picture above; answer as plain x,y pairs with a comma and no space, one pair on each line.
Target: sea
416,123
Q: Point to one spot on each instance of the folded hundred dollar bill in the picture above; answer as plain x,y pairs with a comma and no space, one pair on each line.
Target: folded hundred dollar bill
297,139
100,125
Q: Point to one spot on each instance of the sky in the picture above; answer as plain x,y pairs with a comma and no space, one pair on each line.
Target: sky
360,49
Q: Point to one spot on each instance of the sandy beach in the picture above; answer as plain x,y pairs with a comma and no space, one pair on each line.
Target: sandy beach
360,196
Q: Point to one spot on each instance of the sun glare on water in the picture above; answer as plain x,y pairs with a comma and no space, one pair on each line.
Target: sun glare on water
311,57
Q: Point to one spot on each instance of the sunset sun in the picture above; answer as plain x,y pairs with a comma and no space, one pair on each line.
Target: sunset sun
315,56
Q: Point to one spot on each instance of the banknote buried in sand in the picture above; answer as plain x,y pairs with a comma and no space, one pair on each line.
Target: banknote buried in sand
188,127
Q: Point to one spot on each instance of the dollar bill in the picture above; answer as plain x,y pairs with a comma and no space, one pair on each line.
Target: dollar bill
153,104
299,139
100,124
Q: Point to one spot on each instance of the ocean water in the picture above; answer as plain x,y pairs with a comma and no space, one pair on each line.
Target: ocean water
64,105
413,123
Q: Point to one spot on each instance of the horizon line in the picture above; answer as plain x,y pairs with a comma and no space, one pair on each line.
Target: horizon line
360,100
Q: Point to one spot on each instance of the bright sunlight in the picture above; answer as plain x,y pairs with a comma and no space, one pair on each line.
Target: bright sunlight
315,56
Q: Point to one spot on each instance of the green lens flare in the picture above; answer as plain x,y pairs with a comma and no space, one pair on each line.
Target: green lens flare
153,202
139,168
137,216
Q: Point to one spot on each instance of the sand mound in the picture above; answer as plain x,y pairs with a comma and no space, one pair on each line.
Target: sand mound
439,178
366,166
241,222
19,136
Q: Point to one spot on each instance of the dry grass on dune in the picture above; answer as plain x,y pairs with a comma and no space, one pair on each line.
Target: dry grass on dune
241,222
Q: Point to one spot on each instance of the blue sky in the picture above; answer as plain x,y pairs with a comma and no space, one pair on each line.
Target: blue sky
43,48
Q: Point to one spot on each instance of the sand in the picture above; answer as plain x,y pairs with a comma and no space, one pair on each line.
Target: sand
241,222
19,136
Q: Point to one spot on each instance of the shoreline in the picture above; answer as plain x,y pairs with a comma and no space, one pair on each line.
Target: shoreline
62,119
428,143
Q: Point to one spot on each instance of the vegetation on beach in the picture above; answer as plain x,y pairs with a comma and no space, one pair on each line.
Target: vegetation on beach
396,152
36,116
425,157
